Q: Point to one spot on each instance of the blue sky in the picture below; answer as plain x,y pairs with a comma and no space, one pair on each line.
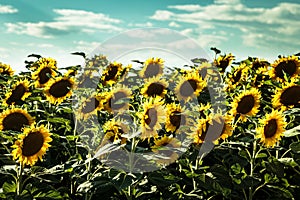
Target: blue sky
57,28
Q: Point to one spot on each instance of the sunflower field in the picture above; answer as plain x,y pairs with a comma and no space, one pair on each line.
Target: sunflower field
225,129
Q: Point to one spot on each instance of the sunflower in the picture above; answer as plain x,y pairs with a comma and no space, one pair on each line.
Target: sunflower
198,132
261,75
166,148
204,70
44,73
151,116
153,67
15,119
189,86
71,72
246,104
117,100
175,117
90,106
286,65
19,93
154,87
222,62
31,145
6,69
111,73
271,128
259,63
223,123
44,62
57,90
287,97
236,76
114,129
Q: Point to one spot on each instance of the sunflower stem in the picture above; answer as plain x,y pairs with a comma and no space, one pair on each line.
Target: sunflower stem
19,179
252,163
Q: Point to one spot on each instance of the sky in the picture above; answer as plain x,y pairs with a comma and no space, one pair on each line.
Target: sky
57,28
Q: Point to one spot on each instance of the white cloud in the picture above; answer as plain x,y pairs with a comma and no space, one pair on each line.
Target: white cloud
162,15
191,7
233,2
174,24
67,21
278,25
147,24
85,46
7,9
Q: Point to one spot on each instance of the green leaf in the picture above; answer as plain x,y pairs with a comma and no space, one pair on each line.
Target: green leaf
261,155
52,194
162,180
292,132
288,161
295,147
58,120
9,187
281,192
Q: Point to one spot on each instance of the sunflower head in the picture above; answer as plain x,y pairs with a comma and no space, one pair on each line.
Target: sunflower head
114,132
15,119
259,63
5,69
189,86
112,73
285,65
222,62
271,128
151,117
154,87
287,97
57,90
165,147
175,117
222,125
117,100
236,76
90,106
44,62
246,104
44,73
19,92
199,131
153,67
31,145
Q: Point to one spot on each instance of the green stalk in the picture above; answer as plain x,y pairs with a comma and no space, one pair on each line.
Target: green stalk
19,179
252,163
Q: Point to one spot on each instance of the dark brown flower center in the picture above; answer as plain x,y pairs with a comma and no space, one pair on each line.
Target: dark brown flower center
44,75
216,129
288,67
152,69
90,105
188,88
32,143
177,119
112,72
16,94
203,72
151,117
223,64
246,104
116,102
290,96
155,89
270,129
237,76
60,88
15,121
